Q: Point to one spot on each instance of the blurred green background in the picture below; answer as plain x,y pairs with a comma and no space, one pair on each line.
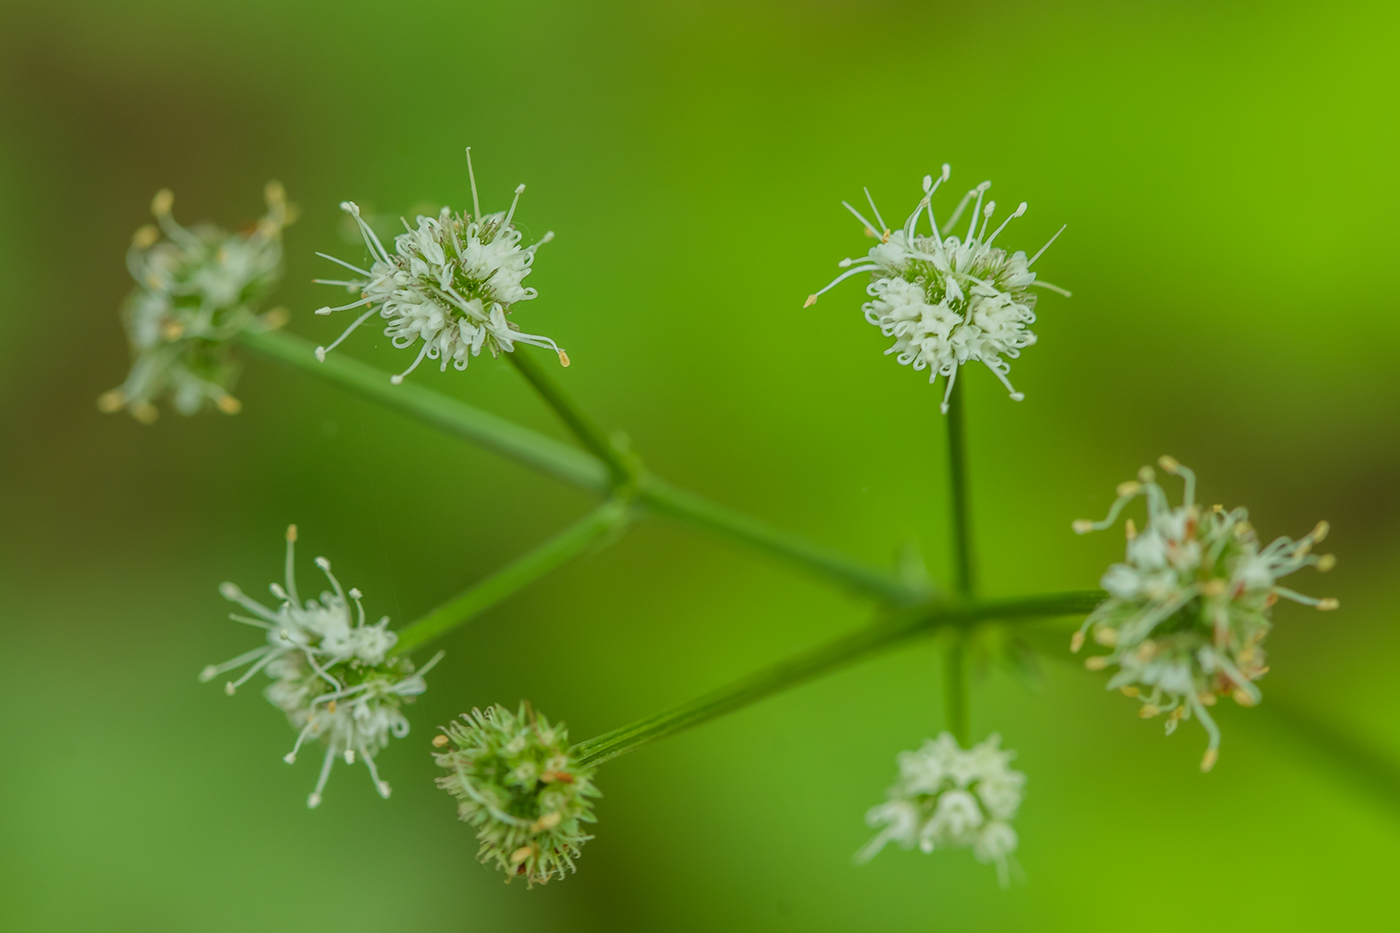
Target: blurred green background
1228,175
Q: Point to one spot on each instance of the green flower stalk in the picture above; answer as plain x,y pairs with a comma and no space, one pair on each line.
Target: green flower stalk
1189,606
519,786
197,288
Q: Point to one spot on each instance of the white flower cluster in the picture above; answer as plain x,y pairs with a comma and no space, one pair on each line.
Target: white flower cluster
332,675
1188,607
451,283
948,797
196,289
947,300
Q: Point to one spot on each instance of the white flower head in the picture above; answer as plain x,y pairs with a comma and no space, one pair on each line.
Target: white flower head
950,797
519,786
943,299
197,288
1188,607
333,675
451,283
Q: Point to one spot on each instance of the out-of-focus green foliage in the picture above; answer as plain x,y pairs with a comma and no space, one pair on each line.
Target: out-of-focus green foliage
1227,174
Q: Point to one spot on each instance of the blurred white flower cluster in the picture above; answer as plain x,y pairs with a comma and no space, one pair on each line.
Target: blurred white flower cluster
196,289
1188,607
332,675
947,300
518,786
950,797
450,282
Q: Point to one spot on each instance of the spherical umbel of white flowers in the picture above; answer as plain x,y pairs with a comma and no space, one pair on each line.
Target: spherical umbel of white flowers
517,784
946,300
1188,607
451,282
333,675
949,797
197,288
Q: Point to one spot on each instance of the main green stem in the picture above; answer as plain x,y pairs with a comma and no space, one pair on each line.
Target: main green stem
574,540
954,660
896,627
575,467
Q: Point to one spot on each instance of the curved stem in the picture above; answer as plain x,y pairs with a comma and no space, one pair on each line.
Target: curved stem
571,542
894,628
621,469
575,467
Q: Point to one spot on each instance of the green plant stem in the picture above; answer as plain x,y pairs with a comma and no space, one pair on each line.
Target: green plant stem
622,471
955,699
898,626
955,704
572,541
964,577
575,467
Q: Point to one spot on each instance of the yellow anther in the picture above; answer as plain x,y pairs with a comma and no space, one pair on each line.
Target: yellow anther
1096,663
1208,760
1130,488
1328,604
1082,526
440,740
1106,636
277,317
162,202
1213,587
811,300
274,193
1326,562
521,854
1320,532
291,532
145,412
1148,710
145,237
1243,698
1076,641
172,330
1130,529
229,405
1146,475
563,359
112,401
548,821
1129,691
1168,463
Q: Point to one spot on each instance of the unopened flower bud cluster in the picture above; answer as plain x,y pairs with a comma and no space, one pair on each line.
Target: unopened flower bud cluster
450,282
332,673
950,797
197,288
1189,606
520,789
947,300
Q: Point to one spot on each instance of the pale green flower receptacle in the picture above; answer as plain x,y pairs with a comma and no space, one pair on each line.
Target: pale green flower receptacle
518,785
